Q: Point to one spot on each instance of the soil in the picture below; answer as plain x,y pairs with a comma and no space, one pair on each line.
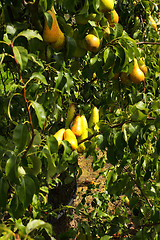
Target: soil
88,176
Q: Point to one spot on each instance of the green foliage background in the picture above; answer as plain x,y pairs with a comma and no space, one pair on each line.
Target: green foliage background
36,87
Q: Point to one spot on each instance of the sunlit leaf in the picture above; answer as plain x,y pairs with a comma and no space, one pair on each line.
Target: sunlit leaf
41,115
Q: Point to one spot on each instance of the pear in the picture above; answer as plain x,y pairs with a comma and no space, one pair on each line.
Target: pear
106,5
77,126
125,78
112,17
84,134
136,76
53,36
59,44
59,135
153,23
71,138
142,66
70,115
94,120
92,43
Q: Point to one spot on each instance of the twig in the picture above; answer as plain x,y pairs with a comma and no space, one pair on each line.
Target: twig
151,43
27,105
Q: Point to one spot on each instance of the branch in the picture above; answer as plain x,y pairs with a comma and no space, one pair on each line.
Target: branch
27,105
151,43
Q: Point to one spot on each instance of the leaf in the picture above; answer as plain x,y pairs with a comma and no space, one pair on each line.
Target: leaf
118,30
11,169
106,237
140,105
29,34
109,58
85,7
138,116
39,76
36,223
4,186
26,190
60,80
69,82
21,55
20,136
41,115
49,19
52,144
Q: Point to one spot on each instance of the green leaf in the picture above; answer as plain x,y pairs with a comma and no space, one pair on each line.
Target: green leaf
41,115
11,169
52,144
109,58
36,224
138,116
69,82
21,56
26,190
60,80
29,34
106,237
4,186
20,136
39,76
140,105
49,19
118,30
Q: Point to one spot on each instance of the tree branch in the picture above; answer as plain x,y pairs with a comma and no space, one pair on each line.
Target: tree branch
27,105
149,43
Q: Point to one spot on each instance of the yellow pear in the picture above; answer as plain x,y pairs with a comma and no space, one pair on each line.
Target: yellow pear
142,66
71,138
112,17
106,5
84,134
59,44
70,114
136,76
94,119
77,126
92,43
59,135
53,36
153,23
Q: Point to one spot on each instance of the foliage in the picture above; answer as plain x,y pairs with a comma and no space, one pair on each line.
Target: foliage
36,88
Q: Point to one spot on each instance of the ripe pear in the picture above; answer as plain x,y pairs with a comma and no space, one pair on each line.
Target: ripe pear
59,135
70,115
59,44
53,36
84,134
94,120
71,138
106,5
112,17
125,78
142,66
77,126
92,43
153,23
136,76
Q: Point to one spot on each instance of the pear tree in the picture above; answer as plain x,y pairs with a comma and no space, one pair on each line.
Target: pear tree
91,67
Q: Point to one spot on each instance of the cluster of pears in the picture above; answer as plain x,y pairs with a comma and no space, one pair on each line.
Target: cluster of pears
53,36
136,76
80,129
91,42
